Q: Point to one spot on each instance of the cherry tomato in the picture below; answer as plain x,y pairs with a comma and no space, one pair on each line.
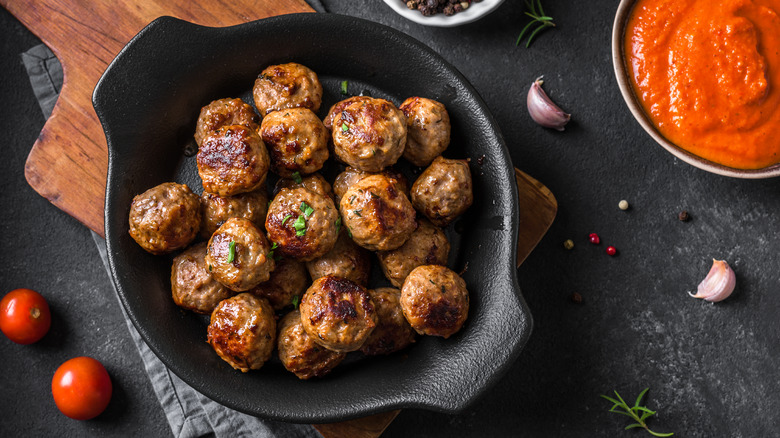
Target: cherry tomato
81,388
24,316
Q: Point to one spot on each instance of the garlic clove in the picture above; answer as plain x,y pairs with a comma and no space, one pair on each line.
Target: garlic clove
718,284
543,110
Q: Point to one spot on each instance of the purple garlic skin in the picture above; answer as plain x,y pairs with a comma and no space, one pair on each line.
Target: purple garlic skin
718,284
543,110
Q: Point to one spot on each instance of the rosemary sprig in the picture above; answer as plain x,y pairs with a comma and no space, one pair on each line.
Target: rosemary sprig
637,412
539,17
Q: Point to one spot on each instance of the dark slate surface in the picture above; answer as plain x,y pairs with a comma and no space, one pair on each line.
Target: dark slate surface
711,368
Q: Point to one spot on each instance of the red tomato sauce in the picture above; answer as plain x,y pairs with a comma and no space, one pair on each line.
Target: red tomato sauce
707,73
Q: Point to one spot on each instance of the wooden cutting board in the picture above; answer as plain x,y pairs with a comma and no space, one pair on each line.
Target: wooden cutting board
67,164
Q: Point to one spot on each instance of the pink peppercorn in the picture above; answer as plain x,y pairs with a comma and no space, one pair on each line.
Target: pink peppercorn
594,238
611,250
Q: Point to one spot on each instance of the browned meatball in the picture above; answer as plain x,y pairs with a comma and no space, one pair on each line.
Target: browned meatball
350,176
336,108
369,134
314,182
346,259
435,301
165,218
337,313
217,209
428,129
300,354
238,255
232,160
225,112
288,280
192,285
377,214
296,140
393,332
426,246
243,331
302,223
443,191
287,86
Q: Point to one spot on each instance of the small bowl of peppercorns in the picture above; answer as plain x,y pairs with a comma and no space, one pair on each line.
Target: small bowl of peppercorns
443,13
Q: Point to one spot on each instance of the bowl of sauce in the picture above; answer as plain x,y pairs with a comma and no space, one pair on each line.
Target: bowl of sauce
702,77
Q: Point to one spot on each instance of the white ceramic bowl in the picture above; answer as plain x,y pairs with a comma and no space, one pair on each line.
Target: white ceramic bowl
473,13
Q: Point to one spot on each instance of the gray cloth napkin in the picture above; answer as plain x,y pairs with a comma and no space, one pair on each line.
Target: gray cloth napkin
189,413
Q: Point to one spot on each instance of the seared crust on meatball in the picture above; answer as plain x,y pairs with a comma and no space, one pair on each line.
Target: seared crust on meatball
287,281
225,112
435,301
302,223
337,107
393,332
443,191
243,331
346,259
428,245
369,134
287,86
350,176
232,160
428,129
165,218
300,354
314,182
296,140
377,214
217,209
192,285
337,313
238,255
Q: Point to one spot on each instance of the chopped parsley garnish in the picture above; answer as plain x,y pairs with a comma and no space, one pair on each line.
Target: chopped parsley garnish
296,176
338,225
210,268
306,209
344,87
232,252
374,195
352,199
285,219
300,226
296,300
357,213
271,252
349,232
344,127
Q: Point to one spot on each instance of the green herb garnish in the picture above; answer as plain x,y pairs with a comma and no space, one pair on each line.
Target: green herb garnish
374,195
306,209
344,87
357,213
344,127
349,232
338,225
210,268
352,199
296,176
300,226
285,219
296,300
537,14
231,252
638,413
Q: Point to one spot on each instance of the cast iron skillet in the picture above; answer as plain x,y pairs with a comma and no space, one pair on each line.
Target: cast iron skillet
148,101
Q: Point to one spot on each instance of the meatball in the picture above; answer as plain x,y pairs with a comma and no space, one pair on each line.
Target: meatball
238,255
302,223
243,331
435,301
287,86
217,209
192,285
288,280
377,214
336,109
346,260
232,160
225,112
443,191
296,140
337,313
393,332
350,176
165,218
314,182
427,129
426,246
300,354
369,134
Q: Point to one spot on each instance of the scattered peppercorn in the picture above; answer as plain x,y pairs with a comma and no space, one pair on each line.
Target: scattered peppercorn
481,160
611,250
568,244
594,238
576,297
432,7
684,216
623,205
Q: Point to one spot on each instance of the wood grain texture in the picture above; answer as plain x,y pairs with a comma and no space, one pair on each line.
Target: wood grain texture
366,427
538,208
68,163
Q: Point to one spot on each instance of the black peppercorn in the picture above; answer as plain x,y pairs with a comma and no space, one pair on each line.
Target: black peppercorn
684,216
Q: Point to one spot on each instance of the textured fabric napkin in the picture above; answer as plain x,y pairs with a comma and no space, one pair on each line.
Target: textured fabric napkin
189,413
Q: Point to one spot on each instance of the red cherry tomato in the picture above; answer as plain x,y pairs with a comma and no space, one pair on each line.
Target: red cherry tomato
81,388
24,316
